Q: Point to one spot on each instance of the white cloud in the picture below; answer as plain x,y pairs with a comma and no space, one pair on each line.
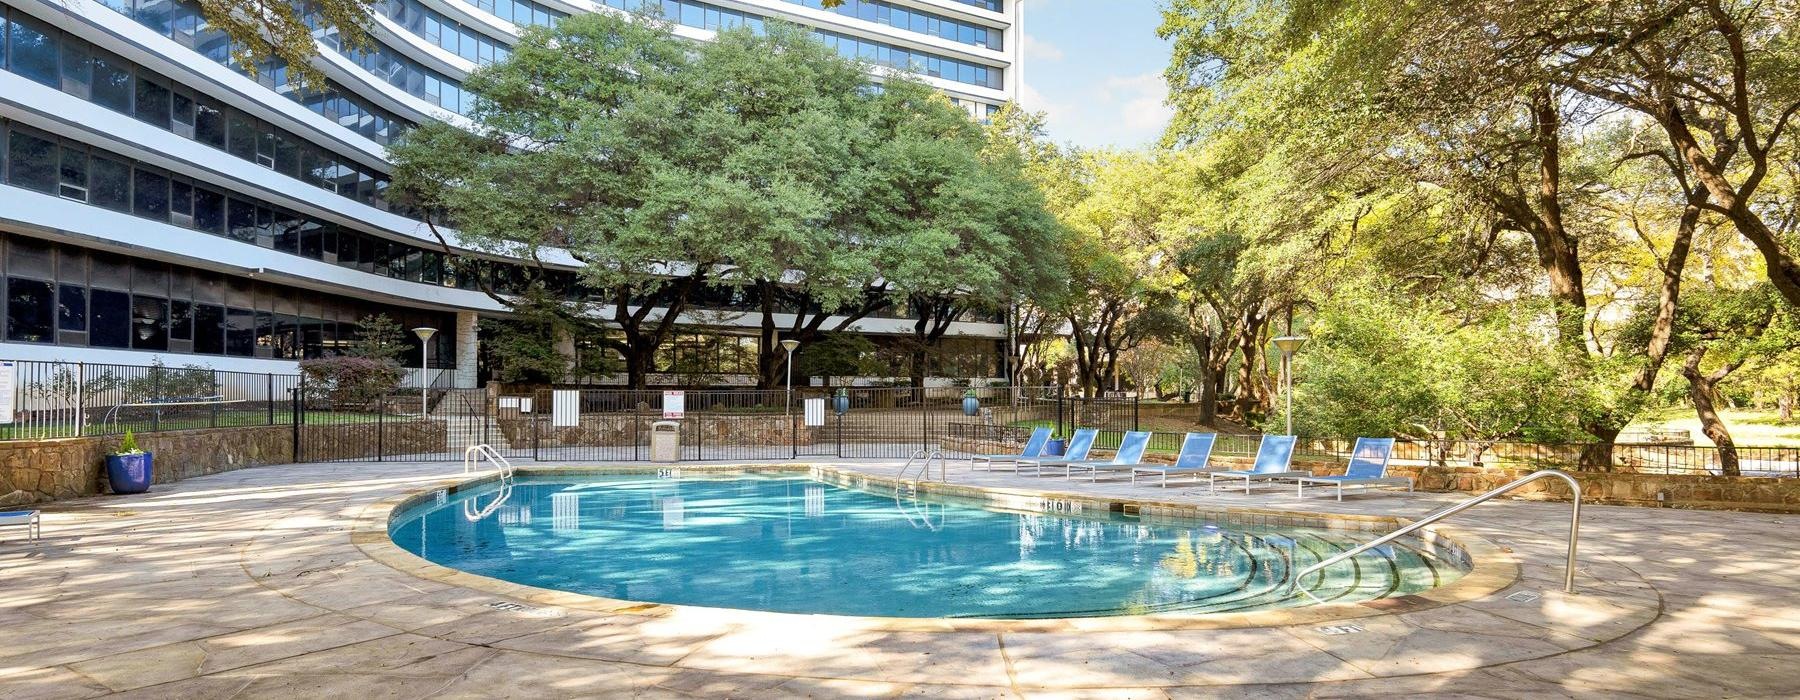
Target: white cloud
1124,111
1039,50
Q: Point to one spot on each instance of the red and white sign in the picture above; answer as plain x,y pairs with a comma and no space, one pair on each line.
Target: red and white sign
674,404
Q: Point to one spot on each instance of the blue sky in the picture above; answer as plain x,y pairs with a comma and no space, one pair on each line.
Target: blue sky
1095,66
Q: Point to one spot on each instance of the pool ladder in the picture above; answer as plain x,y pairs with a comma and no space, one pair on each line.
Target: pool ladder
927,454
1453,509
473,459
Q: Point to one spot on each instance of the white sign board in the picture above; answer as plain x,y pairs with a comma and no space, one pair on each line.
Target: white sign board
8,386
509,402
815,412
524,404
674,404
565,408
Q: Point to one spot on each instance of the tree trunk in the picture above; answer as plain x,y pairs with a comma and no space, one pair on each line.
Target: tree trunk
1785,405
1702,391
1207,389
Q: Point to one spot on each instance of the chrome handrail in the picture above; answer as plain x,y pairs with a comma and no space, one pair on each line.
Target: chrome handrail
929,453
1434,516
472,459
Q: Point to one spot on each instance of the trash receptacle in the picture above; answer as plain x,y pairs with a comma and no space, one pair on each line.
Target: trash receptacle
665,441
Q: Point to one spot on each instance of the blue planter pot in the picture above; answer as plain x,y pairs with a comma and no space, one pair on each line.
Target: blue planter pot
130,473
971,405
1055,447
841,404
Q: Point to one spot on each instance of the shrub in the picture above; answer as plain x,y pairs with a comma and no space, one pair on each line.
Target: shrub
350,381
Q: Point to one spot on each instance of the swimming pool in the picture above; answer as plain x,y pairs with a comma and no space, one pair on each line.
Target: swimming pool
792,544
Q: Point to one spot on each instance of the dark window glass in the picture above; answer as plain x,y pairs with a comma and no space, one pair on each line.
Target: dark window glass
182,111
209,123
109,183
73,178
310,244
209,329
153,102
77,69
154,14
266,343
30,311
241,224
181,320
112,83
209,211
242,139
181,201
240,332
347,245
150,195
71,308
109,319
32,162
149,323
34,49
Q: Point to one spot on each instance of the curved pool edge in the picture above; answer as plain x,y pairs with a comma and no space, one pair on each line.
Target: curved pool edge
1493,567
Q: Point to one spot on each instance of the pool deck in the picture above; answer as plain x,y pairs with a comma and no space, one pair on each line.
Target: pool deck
253,583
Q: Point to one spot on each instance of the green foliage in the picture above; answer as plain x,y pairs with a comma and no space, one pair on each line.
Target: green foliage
524,347
128,445
838,355
348,381
379,338
1379,366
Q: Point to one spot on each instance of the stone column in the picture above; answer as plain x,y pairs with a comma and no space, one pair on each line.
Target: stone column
468,345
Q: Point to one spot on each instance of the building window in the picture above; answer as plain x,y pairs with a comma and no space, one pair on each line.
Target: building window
71,308
109,320
33,50
32,162
109,184
30,310
149,323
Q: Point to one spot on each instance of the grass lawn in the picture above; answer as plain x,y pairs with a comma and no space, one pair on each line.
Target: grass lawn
1749,427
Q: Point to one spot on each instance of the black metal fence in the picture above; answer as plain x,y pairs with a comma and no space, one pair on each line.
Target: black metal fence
69,399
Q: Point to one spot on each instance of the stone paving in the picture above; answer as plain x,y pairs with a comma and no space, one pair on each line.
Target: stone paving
250,584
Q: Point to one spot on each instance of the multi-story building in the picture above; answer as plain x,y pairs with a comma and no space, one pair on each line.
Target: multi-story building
159,201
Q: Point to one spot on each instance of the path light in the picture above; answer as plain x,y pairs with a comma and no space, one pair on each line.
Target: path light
424,334
1288,345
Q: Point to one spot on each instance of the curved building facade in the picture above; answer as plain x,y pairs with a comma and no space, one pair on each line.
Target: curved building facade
160,202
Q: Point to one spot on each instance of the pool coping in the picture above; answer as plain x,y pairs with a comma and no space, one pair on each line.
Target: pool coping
1494,568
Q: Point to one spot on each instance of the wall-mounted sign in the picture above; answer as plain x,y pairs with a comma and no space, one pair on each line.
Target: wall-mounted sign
674,404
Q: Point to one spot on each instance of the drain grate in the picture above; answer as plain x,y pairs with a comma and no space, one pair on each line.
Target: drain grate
1334,630
522,609
1523,597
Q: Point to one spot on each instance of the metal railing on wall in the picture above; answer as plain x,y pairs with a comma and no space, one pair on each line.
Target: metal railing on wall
73,399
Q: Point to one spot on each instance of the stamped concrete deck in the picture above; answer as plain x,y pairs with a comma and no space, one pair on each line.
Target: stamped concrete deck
249,584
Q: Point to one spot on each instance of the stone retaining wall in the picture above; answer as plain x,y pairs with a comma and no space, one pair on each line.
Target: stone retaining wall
34,471
626,430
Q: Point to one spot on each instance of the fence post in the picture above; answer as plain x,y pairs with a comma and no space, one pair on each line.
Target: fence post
156,388
1062,395
380,427
1135,400
297,413
80,398
271,396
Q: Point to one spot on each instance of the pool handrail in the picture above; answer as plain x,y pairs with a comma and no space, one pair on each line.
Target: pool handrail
1453,509
473,457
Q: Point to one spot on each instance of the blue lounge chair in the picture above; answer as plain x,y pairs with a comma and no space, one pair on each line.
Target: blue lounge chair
27,519
1034,447
1079,444
1130,454
1274,457
1196,451
1367,468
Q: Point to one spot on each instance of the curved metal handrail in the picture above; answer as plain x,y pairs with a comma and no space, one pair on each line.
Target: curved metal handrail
472,458
1574,527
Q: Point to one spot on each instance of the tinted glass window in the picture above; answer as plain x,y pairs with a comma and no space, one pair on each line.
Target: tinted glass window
109,183
209,329
153,102
240,332
181,320
149,323
30,310
34,48
112,84
71,308
150,195
109,319
73,175
241,221
31,161
209,123
209,211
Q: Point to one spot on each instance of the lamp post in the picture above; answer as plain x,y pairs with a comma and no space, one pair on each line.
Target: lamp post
787,410
424,334
1288,345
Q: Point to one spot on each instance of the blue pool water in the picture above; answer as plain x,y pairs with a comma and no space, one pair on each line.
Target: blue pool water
792,544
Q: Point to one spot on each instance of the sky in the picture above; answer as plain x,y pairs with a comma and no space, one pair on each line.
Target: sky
1095,67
